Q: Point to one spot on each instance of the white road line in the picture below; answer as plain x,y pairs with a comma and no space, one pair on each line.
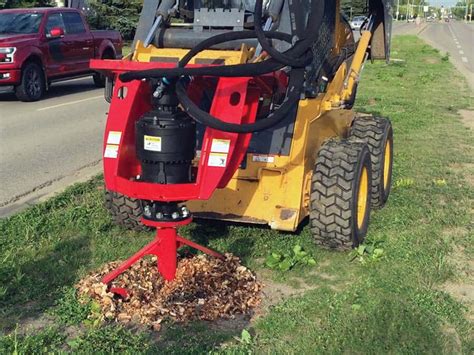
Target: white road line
464,59
70,103
459,47
461,52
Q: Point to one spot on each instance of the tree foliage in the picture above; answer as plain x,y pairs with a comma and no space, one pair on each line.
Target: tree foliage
120,15
460,10
8,4
354,7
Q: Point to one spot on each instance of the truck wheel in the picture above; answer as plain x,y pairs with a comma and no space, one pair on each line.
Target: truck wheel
340,194
126,211
33,84
99,79
378,134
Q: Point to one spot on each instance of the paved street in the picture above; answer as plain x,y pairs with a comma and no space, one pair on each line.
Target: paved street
455,37
47,145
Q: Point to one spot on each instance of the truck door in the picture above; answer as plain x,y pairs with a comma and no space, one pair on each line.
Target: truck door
60,57
79,40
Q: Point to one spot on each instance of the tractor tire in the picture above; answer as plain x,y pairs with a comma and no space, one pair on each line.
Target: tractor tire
378,134
340,194
33,84
126,211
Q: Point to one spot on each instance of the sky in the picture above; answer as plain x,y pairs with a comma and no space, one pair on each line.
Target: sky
443,2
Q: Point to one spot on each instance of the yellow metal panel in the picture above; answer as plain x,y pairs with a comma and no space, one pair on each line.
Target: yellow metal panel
277,192
146,54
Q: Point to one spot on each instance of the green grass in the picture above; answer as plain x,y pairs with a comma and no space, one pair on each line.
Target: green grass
393,304
127,48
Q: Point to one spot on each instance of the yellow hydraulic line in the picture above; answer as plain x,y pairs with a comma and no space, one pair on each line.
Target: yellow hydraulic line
357,64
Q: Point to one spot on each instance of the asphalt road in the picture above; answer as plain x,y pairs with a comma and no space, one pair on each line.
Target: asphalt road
455,38
47,145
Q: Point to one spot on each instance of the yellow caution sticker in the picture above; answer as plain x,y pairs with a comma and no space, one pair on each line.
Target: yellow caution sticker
220,146
111,151
218,160
152,143
114,137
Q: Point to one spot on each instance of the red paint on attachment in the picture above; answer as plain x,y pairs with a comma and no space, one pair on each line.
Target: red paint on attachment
165,247
235,100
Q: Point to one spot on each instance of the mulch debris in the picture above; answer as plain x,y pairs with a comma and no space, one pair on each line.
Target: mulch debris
205,288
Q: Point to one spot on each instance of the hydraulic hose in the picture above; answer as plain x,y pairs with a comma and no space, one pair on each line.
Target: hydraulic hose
297,57
253,69
293,96
291,57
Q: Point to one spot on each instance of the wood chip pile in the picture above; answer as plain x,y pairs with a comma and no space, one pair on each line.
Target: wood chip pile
205,288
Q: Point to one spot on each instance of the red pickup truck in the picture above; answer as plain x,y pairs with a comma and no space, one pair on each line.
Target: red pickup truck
41,45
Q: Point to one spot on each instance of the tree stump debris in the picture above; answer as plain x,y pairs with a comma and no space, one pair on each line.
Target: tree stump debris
205,288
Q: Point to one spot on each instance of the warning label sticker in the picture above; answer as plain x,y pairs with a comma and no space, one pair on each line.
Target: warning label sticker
114,137
263,159
217,160
152,143
111,151
220,146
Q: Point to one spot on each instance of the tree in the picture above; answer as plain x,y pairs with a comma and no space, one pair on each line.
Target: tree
460,9
9,4
121,15
354,7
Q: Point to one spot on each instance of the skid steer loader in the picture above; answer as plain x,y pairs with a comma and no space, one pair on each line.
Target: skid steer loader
241,110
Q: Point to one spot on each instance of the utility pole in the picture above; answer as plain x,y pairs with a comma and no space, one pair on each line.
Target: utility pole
398,8
408,6
467,6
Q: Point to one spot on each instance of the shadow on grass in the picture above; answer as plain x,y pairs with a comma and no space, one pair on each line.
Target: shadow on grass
198,337
205,232
36,284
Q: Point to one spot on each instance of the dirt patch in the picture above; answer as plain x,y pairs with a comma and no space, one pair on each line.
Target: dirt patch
466,170
453,343
372,101
467,117
461,287
275,292
431,60
35,324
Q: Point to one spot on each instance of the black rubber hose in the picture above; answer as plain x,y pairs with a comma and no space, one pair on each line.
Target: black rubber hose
228,37
293,96
291,57
253,69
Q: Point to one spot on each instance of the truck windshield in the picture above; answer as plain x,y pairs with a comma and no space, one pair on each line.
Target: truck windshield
20,23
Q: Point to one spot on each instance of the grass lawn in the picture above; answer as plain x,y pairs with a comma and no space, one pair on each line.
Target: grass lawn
405,299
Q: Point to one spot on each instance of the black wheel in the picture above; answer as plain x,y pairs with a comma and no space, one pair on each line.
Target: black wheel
340,194
99,79
33,84
126,211
378,134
